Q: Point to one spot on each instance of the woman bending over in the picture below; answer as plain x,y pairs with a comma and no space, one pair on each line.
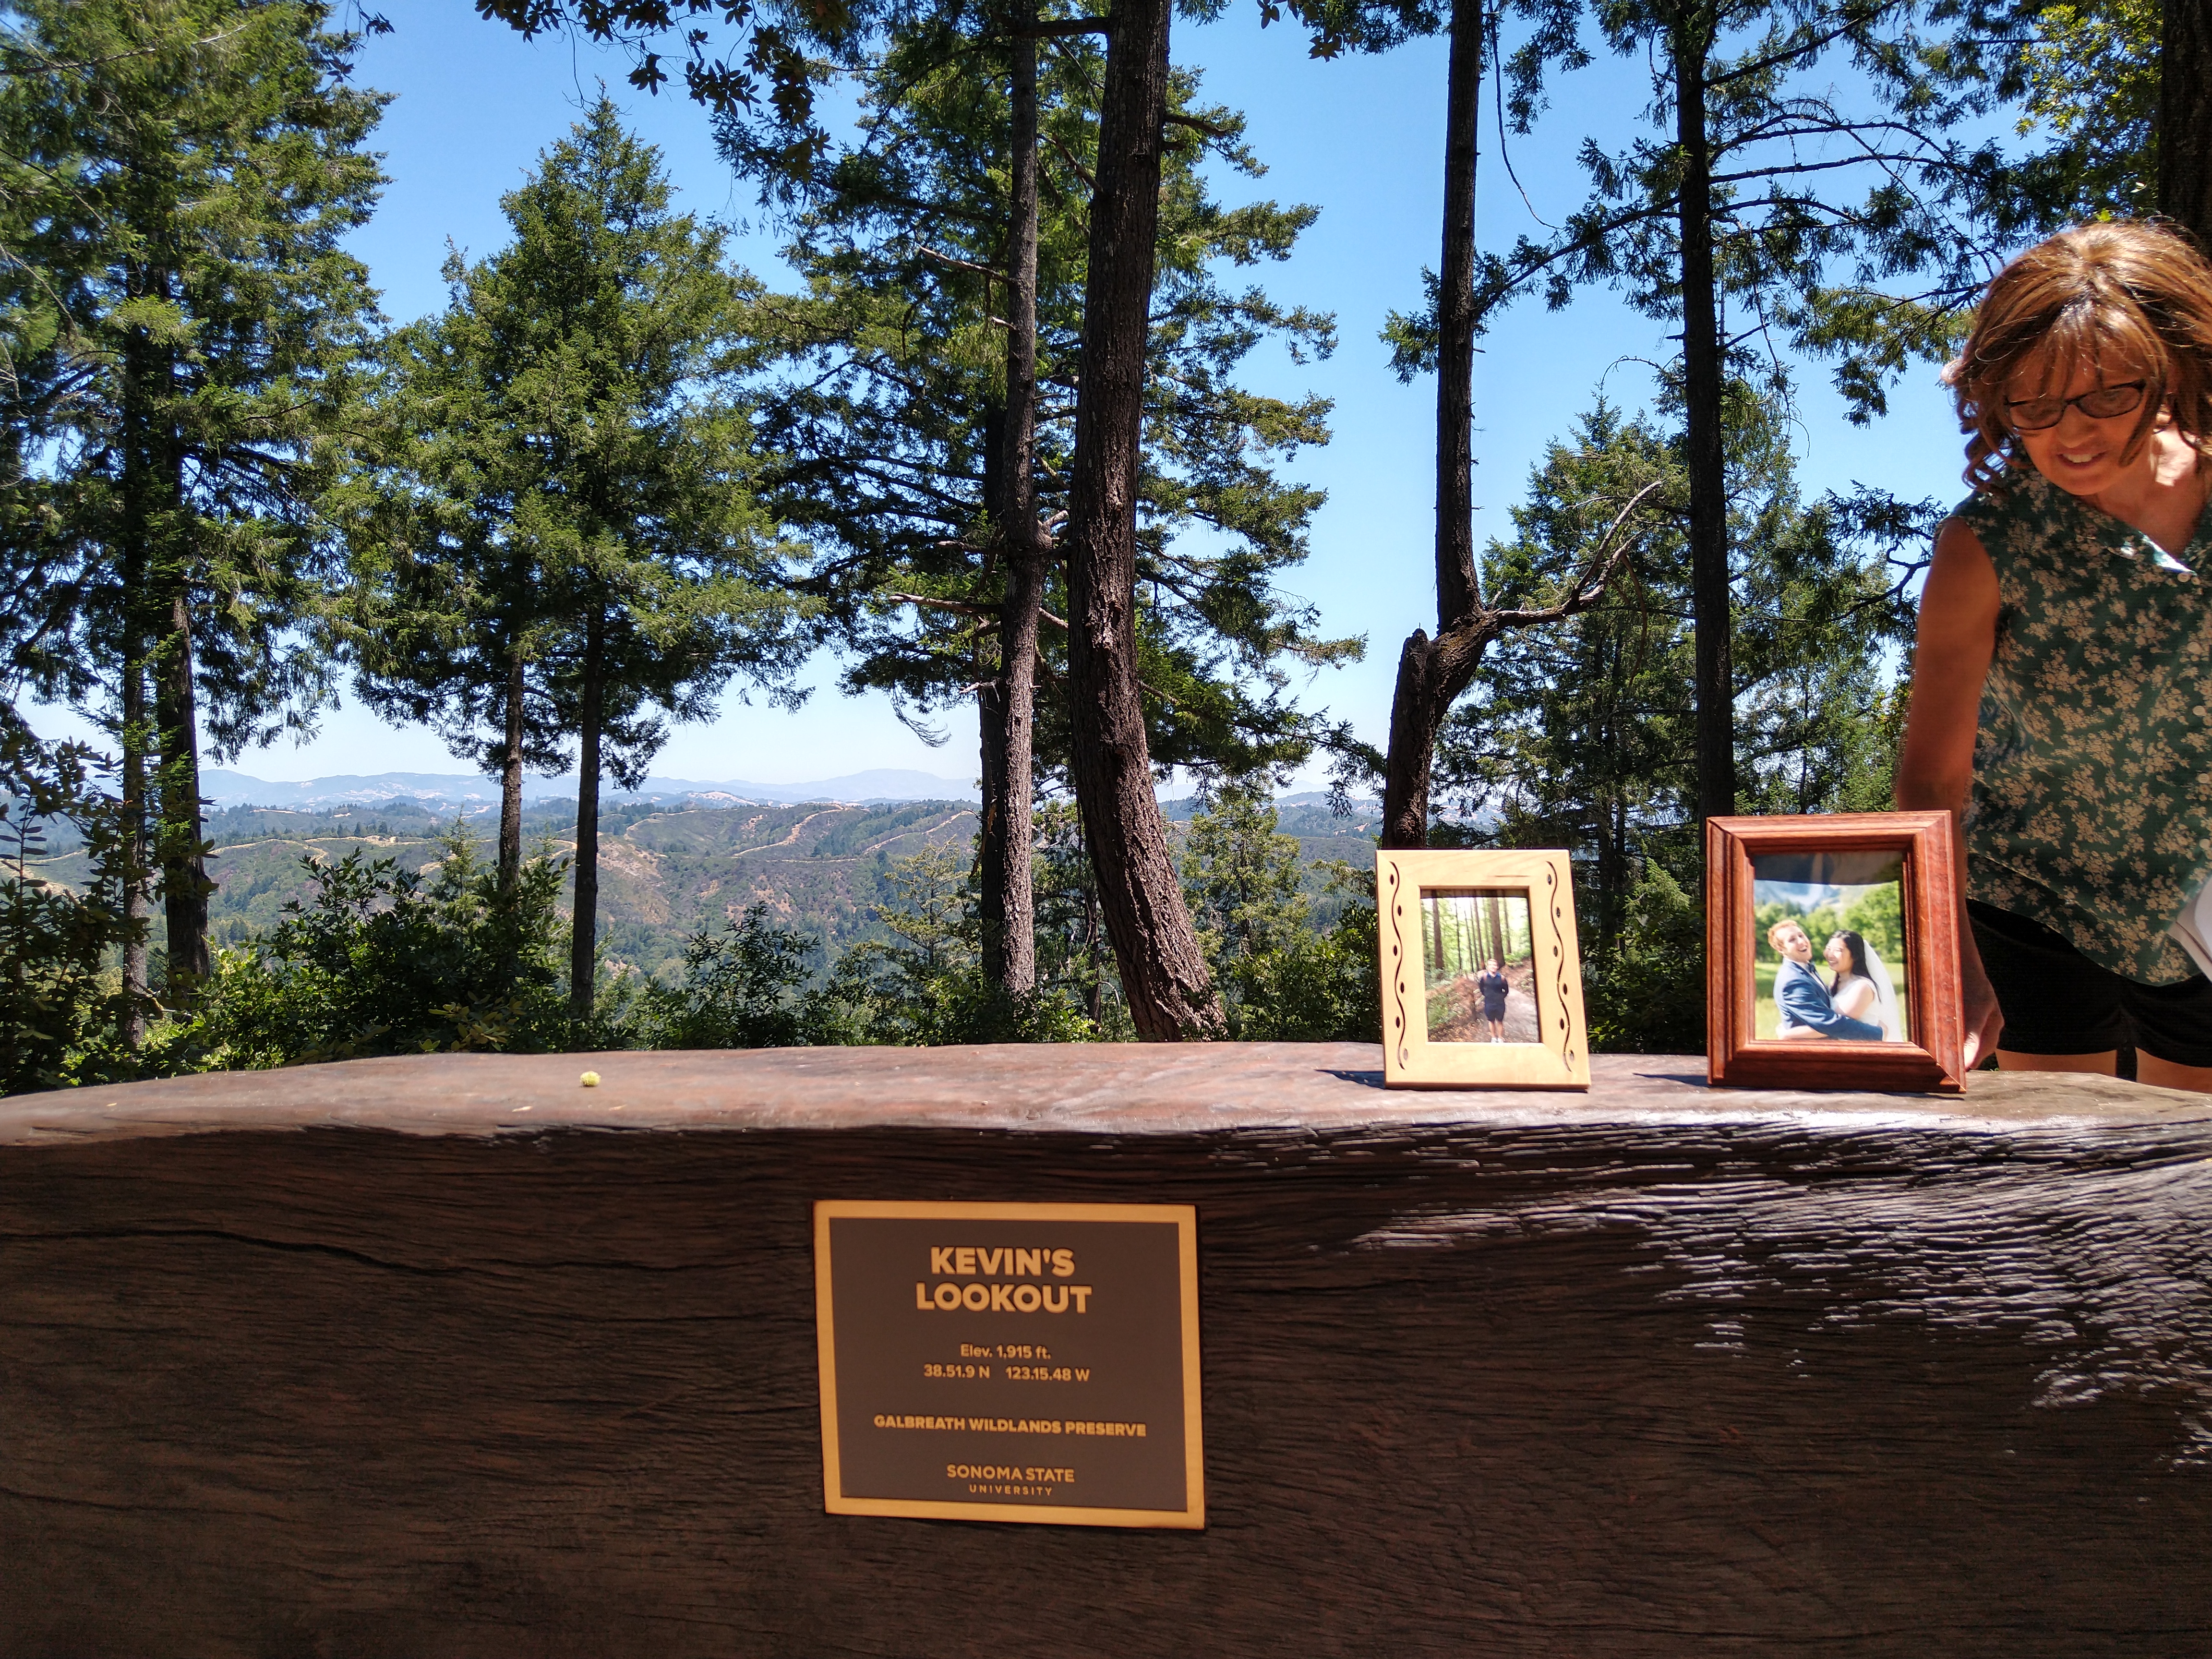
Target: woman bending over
2062,672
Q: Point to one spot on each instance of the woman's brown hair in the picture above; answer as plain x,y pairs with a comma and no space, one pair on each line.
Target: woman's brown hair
2134,294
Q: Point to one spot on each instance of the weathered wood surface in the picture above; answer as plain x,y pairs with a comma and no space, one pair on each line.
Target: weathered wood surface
449,1356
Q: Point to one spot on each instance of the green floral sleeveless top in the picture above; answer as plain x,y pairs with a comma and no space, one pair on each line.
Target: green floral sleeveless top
2092,804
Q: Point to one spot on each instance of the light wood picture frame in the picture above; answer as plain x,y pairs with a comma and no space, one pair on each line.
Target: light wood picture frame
1441,913
1926,1051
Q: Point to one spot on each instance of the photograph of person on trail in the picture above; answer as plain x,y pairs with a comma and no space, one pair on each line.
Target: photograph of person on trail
1478,965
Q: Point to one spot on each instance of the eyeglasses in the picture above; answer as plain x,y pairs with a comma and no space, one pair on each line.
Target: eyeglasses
2039,414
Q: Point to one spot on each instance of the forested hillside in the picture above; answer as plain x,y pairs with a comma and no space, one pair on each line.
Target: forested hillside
821,868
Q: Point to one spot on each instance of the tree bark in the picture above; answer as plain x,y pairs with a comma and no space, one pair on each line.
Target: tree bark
584,924
990,708
132,566
1457,593
1163,972
991,817
990,683
510,780
1701,398
184,882
152,486
1425,691
1011,956
136,918
2185,116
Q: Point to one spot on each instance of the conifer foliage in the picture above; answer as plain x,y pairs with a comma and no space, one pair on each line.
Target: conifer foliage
923,426
563,544
180,174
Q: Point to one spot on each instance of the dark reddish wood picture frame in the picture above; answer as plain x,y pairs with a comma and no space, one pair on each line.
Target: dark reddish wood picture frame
1734,1055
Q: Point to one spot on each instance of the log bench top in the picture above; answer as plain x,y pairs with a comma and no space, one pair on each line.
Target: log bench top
1081,1088
449,1356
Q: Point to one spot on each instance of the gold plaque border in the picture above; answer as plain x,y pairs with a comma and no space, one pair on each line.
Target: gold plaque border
1184,1217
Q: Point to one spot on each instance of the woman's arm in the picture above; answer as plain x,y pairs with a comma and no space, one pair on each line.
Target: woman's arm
1856,998
1951,655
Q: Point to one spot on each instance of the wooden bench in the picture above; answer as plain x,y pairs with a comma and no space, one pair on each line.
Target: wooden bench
450,1356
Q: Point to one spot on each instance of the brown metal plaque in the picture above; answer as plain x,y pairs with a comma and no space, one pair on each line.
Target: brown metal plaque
1009,1361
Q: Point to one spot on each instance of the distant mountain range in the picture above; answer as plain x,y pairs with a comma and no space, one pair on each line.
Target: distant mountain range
464,790
470,794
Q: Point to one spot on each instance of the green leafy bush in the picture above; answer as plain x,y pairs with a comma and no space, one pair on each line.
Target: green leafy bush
381,962
62,1008
1649,996
1314,987
1279,979
742,989
927,984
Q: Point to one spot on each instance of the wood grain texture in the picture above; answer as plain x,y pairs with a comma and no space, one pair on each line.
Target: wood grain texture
369,1359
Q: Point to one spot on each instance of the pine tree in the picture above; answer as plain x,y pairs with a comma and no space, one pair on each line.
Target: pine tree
900,427
184,172
1871,252
1109,755
609,569
1242,874
1582,735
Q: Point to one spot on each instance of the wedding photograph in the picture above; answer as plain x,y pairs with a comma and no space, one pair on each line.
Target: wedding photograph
1829,947
1478,970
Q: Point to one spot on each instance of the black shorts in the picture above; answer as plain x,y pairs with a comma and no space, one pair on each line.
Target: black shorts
2056,1001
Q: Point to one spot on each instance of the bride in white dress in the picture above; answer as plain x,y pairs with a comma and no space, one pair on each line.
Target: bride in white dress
1861,986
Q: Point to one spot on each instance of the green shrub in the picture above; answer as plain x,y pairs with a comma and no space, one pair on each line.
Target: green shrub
1649,998
741,989
62,1008
381,962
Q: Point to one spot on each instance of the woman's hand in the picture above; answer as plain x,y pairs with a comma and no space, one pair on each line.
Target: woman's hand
1978,1002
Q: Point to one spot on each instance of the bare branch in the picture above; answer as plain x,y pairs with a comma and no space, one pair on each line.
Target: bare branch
963,607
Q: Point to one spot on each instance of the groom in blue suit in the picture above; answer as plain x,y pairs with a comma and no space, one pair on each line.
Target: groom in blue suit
1804,1002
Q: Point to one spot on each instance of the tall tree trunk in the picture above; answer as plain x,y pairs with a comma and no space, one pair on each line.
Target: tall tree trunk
1431,676
584,933
161,515
136,918
991,814
510,779
184,867
990,683
990,707
1701,401
142,372
1098,957
1010,957
2185,116
1163,972
131,575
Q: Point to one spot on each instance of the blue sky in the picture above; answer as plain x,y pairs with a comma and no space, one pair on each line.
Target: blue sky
1360,138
